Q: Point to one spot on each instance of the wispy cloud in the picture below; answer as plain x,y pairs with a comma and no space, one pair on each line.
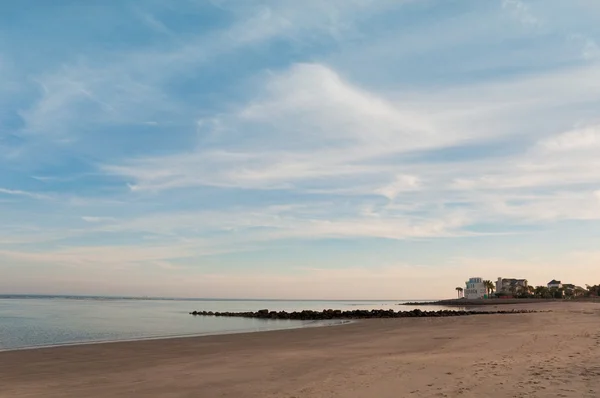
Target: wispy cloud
587,138
521,11
17,192
153,23
589,48
402,183
93,219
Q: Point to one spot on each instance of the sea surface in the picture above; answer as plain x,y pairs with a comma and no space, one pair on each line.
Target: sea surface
39,321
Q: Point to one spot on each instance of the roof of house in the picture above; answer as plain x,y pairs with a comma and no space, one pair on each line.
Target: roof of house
507,280
555,282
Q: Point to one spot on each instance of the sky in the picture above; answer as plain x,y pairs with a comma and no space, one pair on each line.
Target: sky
348,149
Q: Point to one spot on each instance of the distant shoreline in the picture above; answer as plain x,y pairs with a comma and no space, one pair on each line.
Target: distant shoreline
485,302
321,323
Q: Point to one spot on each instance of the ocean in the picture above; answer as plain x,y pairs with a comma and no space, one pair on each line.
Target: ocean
39,321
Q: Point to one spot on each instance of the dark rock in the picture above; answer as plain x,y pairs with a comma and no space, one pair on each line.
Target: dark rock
353,314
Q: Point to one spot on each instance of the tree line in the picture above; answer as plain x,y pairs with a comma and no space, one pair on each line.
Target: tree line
543,292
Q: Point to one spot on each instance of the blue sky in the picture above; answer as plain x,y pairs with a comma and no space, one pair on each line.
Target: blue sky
284,149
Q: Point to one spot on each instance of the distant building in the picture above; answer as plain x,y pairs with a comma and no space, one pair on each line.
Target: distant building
511,285
571,290
554,284
475,289
569,287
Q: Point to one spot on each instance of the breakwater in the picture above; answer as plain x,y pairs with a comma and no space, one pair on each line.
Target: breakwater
353,314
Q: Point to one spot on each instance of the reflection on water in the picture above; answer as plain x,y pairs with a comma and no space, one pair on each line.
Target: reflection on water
51,320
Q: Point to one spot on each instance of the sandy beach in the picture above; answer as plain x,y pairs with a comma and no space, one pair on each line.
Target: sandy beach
522,355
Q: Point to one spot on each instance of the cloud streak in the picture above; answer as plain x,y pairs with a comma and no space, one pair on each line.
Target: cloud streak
17,192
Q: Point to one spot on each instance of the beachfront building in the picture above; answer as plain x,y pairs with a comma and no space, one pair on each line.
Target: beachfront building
511,285
569,288
475,289
572,290
556,288
554,284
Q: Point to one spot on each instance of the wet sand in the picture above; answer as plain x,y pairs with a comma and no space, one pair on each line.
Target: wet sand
519,355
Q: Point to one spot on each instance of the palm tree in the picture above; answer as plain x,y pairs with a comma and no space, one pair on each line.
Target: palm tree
559,293
489,286
593,290
459,291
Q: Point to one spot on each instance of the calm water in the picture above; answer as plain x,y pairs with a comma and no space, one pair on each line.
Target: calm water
34,321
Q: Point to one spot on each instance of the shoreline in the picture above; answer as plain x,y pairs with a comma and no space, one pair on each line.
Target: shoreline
463,302
310,319
305,319
316,324
528,354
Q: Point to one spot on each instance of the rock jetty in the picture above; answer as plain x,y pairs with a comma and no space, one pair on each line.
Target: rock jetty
354,314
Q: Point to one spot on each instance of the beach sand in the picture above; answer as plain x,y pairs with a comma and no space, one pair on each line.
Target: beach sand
519,355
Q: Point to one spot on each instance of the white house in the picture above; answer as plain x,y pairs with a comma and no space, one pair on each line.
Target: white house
475,289
554,284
